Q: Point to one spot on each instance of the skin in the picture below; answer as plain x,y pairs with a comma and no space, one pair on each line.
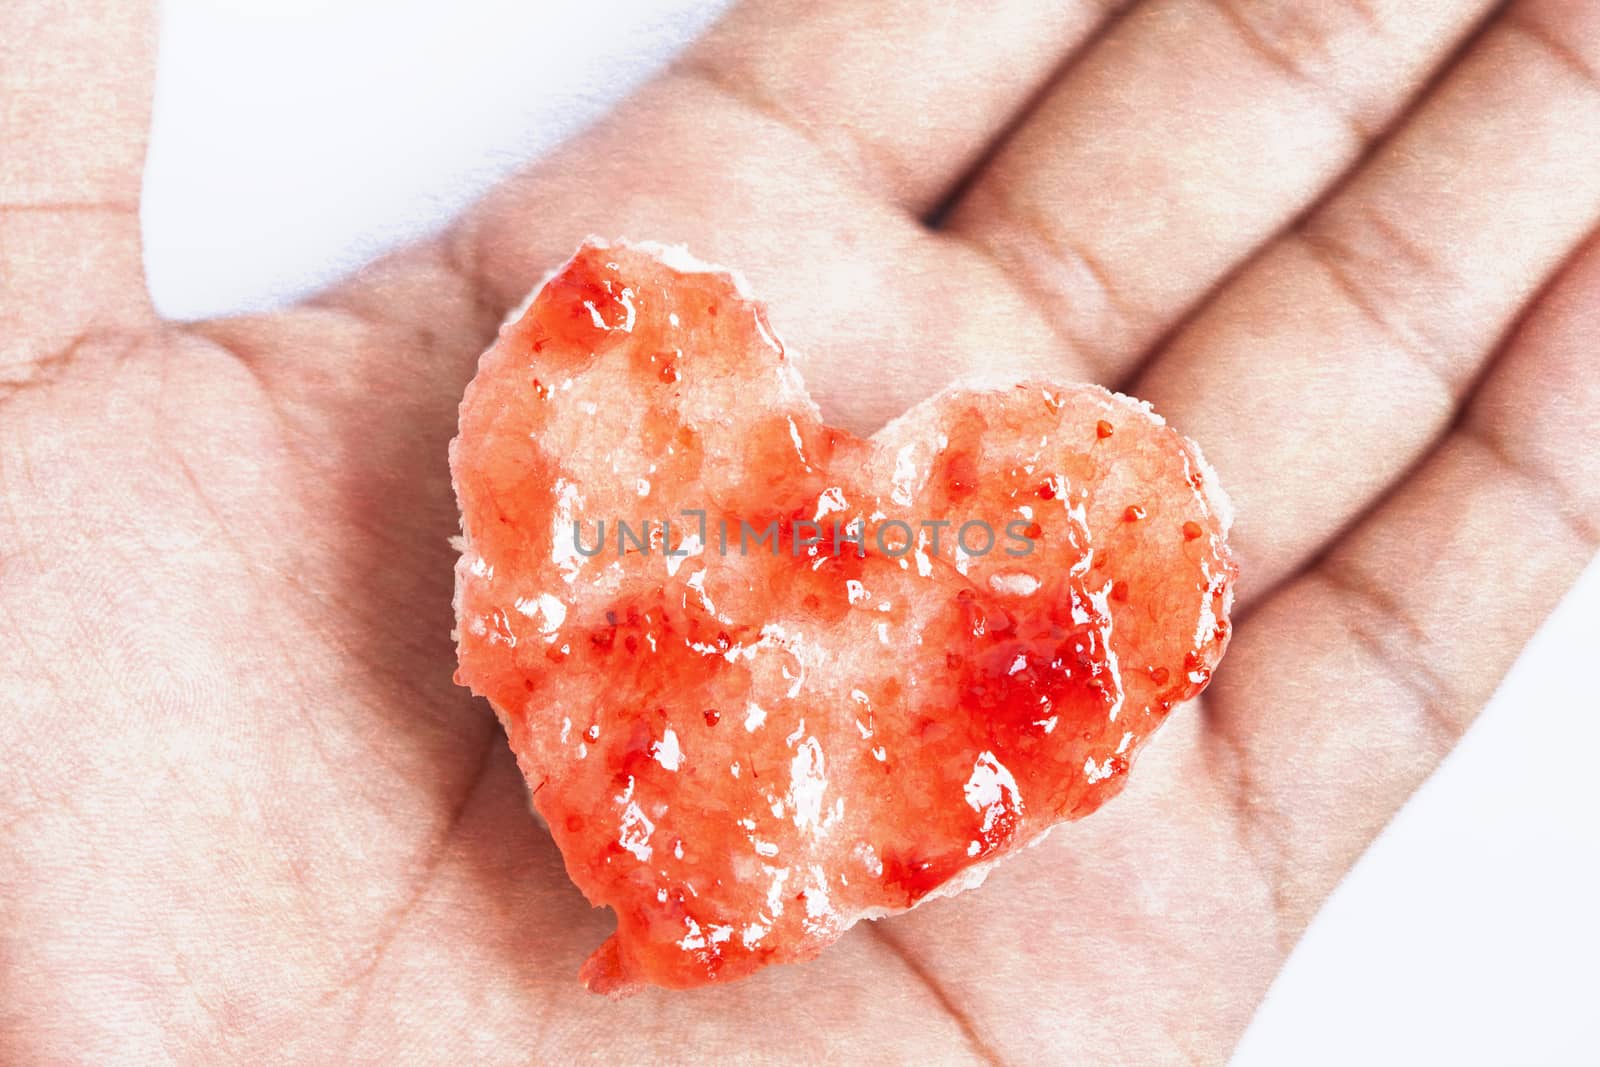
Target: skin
1349,247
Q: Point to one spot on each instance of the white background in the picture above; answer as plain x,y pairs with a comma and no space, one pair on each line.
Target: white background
296,138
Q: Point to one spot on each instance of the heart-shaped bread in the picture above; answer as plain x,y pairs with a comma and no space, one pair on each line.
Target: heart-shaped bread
766,678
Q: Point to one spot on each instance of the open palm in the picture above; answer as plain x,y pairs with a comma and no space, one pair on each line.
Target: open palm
247,815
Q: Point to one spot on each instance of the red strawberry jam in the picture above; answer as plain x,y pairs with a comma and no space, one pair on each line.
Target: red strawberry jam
768,678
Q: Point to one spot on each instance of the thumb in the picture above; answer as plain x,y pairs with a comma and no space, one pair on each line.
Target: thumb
75,87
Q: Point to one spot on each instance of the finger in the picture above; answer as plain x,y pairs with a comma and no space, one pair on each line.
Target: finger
1334,360
840,117
1188,135
903,95
1347,687
75,82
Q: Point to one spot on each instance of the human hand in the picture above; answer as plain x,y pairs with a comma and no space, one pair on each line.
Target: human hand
249,816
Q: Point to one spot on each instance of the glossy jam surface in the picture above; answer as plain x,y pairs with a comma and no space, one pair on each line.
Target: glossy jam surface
766,678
